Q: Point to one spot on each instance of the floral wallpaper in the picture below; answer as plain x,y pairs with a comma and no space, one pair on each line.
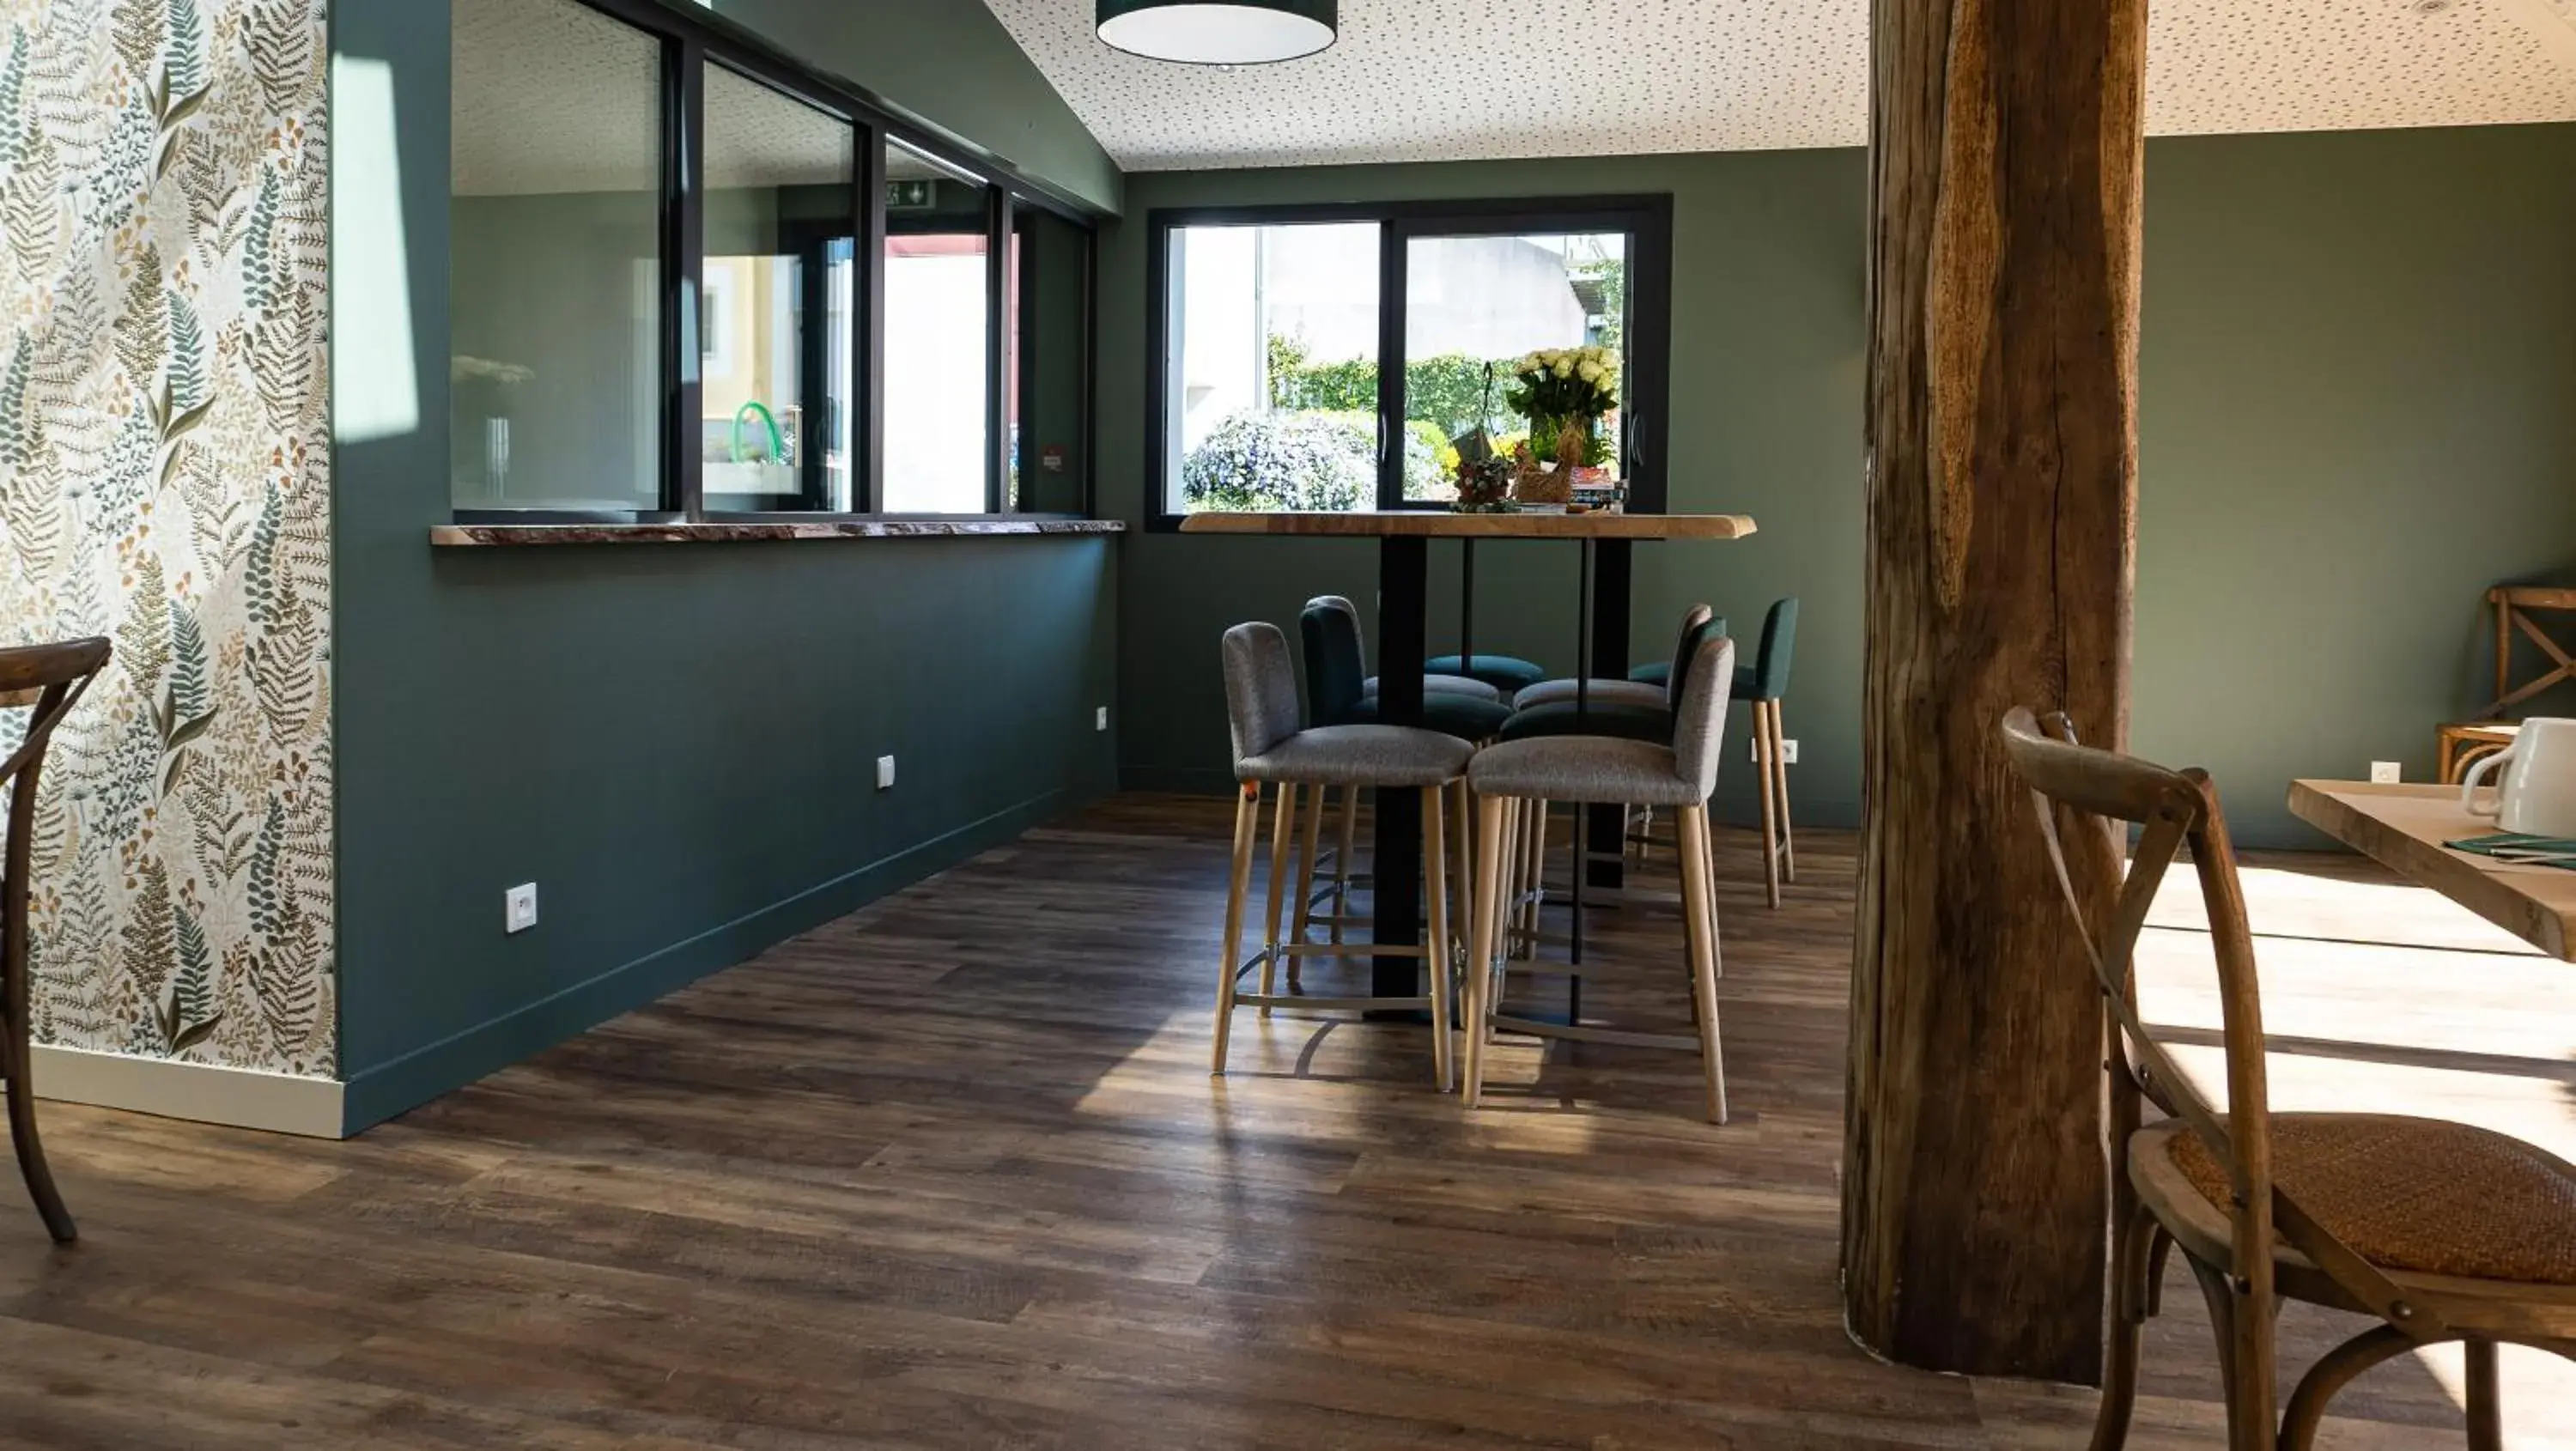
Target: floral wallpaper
165,481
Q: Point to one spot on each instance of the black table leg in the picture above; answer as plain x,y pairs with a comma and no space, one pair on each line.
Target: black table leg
1467,607
1403,586
1607,826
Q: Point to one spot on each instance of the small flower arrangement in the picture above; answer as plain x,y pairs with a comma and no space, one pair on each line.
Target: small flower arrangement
1560,387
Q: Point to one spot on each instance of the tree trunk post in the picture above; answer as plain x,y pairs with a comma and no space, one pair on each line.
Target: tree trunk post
2005,173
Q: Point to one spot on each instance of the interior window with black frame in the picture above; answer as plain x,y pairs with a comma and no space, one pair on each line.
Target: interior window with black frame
693,278
777,328
556,266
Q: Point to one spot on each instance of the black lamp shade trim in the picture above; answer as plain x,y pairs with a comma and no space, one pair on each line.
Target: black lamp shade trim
1219,32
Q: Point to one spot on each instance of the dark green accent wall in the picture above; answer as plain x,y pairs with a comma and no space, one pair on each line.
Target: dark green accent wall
677,744
951,63
2358,405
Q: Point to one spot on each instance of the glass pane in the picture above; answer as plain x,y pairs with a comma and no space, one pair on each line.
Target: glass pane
1272,367
555,270
937,296
1051,355
775,330
1490,323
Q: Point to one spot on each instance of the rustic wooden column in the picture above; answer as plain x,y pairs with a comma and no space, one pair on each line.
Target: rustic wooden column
2005,164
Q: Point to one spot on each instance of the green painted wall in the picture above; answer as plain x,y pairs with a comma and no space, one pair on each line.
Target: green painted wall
676,744
2358,406
952,64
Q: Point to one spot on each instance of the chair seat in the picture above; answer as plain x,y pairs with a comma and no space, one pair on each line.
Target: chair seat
1601,692
1656,674
2423,1196
1463,716
1445,685
2497,732
1565,718
1582,769
1506,673
1360,755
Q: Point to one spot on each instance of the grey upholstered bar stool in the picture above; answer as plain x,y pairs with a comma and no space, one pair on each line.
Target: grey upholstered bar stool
1271,750
1511,780
1622,693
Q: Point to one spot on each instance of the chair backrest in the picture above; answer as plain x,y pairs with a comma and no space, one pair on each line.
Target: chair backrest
1779,647
1260,688
2085,800
2514,607
1700,623
1699,719
1336,659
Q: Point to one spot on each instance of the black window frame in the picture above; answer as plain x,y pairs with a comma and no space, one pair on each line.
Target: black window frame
1647,219
690,43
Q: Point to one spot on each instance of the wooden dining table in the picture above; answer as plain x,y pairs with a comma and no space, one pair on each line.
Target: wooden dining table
2406,828
1404,538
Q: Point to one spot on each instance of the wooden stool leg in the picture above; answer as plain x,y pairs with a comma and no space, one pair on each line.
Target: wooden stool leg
1306,843
1780,788
1247,816
1462,853
1763,749
1283,827
1701,927
1342,849
2485,1397
2132,1242
1435,947
1488,920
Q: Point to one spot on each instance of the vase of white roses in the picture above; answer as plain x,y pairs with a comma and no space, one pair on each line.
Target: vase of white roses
1558,388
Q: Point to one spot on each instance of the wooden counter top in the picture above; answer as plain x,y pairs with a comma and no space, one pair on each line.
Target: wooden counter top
1441,524
2404,828
474,536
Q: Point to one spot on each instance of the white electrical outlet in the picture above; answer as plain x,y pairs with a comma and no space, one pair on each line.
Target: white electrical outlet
1788,752
1100,719
885,773
2386,773
519,908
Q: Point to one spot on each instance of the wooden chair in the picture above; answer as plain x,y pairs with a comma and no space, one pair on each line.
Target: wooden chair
46,680
2440,1231
2460,743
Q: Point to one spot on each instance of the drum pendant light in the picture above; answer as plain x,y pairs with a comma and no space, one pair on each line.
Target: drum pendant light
1218,32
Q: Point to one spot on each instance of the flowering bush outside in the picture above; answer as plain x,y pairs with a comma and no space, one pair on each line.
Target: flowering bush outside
1267,462
1272,461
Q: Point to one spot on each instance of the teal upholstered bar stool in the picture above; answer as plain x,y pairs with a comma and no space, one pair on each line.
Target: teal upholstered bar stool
1340,691
1762,686
1272,751
1508,674
1511,782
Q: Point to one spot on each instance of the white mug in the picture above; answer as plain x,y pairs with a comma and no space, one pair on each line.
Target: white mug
2536,795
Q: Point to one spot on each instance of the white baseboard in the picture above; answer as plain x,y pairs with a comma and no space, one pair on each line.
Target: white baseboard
242,1097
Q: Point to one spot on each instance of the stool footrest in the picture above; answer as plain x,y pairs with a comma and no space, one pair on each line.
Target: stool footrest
1579,1034
1357,1004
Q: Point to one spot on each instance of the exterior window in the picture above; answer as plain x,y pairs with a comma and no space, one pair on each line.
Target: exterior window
777,334
1270,392
556,264
1475,309
1343,357
938,306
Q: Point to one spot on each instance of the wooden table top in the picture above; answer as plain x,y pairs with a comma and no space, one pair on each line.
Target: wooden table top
2403,828
1442,524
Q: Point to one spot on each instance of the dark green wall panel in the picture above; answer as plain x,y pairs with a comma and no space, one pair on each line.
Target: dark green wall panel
2358,406
677,744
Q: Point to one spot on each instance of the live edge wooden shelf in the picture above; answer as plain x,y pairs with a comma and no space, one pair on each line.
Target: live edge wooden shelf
477,536
1441,524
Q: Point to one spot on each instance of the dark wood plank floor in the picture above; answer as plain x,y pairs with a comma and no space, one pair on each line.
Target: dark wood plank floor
952,1173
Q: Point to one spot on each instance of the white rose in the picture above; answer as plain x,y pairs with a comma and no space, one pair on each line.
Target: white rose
1564,368
1588,370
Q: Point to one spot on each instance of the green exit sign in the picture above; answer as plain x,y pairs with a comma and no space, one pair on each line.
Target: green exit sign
911,196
